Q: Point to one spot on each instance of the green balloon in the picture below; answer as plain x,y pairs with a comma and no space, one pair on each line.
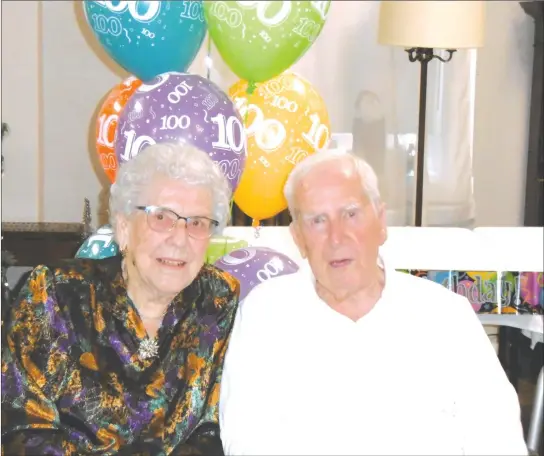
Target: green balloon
258,40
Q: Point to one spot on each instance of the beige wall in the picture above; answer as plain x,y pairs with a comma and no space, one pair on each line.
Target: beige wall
503,91
54,77
20,109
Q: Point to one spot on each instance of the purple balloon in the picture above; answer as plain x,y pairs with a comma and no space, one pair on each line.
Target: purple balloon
253,265
183,108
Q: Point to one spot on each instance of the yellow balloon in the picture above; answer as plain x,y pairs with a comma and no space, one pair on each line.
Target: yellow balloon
285,120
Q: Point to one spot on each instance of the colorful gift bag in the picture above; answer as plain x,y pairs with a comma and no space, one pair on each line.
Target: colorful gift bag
522,292
480,288
443,278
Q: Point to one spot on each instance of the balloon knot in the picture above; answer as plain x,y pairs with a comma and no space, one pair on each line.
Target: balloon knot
251,88
255,224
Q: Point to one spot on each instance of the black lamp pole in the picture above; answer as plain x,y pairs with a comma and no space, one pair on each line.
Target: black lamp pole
423,56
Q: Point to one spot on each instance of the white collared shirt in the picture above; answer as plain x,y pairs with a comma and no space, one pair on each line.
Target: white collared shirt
416,376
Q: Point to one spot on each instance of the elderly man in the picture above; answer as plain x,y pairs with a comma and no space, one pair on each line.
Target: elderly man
356,358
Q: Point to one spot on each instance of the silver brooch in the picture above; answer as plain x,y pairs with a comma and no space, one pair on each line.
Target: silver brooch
148,348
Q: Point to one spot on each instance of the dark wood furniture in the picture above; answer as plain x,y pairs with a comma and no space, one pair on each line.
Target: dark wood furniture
32,244
39,243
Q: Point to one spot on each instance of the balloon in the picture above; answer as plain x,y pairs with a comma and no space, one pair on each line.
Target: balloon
285,120
100,245
106,124
181,107
253,265
260,39
148,38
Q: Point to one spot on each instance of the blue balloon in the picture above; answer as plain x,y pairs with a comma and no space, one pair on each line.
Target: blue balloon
148,38
100,245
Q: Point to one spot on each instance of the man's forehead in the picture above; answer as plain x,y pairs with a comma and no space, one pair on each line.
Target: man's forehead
326,175
328,199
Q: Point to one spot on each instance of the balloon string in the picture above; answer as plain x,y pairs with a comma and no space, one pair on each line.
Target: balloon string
225,248
255,224
231,209
246,117
251,86
209,59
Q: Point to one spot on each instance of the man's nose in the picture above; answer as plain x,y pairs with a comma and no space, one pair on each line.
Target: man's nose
336,231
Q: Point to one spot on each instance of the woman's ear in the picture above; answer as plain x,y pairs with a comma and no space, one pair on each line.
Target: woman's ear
121,231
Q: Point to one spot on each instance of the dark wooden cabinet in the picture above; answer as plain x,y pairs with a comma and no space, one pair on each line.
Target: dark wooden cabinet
40,243
31,244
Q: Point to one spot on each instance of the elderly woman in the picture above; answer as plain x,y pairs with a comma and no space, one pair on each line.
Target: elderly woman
124,355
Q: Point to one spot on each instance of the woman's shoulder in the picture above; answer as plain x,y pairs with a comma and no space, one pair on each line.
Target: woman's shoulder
222,280
78,270
54,290
215,292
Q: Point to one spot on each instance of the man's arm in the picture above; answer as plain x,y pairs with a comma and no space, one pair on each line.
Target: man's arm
488,405
35,365
246,419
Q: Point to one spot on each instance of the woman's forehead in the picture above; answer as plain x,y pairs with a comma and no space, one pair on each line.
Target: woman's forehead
176,194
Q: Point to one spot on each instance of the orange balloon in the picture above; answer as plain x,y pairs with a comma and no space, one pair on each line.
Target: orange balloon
106,124
285,120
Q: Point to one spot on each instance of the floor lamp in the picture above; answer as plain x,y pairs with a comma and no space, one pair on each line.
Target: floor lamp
421,27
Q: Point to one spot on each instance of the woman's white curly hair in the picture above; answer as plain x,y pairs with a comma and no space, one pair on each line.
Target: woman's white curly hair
183,162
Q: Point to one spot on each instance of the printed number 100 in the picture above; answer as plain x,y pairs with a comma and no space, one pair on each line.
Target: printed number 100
226,134
318,136
192,10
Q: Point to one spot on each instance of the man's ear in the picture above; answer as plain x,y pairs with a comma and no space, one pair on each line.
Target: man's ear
382,217
121,231
297,238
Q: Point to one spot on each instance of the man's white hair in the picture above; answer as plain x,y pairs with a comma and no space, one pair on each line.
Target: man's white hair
182,162
369,180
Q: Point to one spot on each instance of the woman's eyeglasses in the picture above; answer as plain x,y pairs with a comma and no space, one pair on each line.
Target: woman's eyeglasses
162,220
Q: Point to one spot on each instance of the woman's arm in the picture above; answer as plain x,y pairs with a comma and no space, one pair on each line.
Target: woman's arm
205,439
35,368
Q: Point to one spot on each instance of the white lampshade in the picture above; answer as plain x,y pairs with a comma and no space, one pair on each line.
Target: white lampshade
435,24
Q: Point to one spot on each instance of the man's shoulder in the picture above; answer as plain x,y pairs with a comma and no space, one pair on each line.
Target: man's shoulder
277,293
419,283
425,293
283,286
